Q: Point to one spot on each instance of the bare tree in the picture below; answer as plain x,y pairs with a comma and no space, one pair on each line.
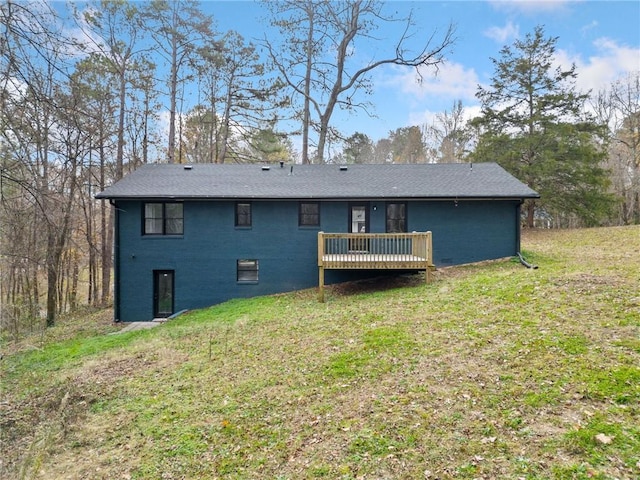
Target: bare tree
95,89
113,28
383,151
179,28
240,99
40,167
407,145
316,61
448,137
619,109
108,83
142,115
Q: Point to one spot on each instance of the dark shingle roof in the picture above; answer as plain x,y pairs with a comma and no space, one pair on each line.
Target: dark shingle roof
211,181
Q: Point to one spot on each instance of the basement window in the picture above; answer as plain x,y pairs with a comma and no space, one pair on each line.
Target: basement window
247,271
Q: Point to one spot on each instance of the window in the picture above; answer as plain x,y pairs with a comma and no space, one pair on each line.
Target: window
396,217
243,214
163,219
247,270
309,215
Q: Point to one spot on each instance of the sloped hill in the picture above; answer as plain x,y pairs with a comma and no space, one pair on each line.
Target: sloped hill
492,371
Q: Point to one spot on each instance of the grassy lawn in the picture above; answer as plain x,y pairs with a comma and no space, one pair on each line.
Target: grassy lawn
492,371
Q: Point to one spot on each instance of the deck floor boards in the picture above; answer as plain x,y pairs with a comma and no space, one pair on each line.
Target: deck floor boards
373,260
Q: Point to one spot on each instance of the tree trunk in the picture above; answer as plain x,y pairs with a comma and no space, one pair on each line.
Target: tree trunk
107,258
73,287
52,279
226,121
120,152
306,119
173,87
531,210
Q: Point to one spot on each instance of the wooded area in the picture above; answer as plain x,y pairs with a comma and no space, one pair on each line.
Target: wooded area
80,111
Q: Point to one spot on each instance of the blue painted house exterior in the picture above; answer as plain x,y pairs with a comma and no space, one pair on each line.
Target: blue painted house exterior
191,236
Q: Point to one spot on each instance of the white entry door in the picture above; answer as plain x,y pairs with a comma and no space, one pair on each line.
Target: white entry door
359,220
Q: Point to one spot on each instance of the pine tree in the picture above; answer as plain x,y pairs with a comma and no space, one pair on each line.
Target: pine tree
533,124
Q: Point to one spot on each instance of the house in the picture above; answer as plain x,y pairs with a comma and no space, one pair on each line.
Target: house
189,236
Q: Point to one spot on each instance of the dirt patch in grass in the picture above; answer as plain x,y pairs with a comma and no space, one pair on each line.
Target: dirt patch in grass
84,323
403,280
41,424
585,283
104,384
377,284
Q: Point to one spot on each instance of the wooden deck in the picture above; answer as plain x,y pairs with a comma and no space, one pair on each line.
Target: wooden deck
374,251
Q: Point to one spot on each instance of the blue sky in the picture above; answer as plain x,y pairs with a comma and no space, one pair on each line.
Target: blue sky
601,38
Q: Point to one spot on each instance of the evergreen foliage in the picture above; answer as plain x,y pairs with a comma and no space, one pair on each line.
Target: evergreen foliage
533,124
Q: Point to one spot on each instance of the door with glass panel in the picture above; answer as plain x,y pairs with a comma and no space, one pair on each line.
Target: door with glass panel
163,293
359,223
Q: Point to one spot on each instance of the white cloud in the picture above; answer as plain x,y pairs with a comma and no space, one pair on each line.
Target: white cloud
532,6
590,26
502,35
424,117
434,94
599,71
428,117
452,80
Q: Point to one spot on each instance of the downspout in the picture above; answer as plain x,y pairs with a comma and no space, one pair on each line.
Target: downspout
518,238
116,262
518,225
525,263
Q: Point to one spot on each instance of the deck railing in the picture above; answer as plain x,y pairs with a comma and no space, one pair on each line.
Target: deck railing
405,251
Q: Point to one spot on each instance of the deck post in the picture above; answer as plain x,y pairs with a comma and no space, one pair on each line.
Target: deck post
429,257
321,284
320,267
